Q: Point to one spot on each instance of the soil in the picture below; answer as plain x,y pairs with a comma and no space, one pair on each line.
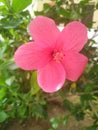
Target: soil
43,124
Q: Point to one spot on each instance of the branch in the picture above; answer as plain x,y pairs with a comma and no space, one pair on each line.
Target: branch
58,98
82,93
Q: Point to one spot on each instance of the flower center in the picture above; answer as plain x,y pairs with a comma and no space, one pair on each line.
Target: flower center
58,56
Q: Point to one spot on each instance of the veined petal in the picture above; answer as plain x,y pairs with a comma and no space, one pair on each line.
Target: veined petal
30,56
74,64
44,30
51,77
73,36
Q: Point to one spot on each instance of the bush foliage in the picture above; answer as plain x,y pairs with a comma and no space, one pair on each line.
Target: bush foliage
20,96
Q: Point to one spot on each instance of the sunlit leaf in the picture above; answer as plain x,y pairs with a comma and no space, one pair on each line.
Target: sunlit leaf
2,92
10,80
2,81
3,1
34,85
3,116
54,122
3,88
19,5
65,119
9,64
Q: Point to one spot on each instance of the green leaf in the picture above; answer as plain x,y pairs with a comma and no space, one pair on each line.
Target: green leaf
22,111
51,129
20,5
79,115
97,6
34,85
88,88
3,1
6,3
8,64
38,111
54,122
87,97
65,119
2,92
3,116
2,50
94,127
74,15
46,6
10,80
10,23
2,81
67,104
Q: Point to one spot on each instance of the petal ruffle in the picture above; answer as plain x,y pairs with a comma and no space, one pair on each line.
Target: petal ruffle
44,30
74,64
73,36
51,78
30,56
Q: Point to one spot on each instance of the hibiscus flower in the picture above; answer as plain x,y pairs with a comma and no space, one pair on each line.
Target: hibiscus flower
55,55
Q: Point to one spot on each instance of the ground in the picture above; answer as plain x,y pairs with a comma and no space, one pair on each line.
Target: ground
43,124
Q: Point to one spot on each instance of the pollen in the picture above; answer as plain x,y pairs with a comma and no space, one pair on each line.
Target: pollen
58,56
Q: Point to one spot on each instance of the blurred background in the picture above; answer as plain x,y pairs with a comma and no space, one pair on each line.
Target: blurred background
38,6
23,105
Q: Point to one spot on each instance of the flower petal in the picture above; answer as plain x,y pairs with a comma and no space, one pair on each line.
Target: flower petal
44,30
74,64
30,56
51,78
73,36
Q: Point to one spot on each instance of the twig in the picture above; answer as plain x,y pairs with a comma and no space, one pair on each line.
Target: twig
82,93
59,99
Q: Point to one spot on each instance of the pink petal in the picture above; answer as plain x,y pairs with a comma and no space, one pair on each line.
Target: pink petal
74,64
30,56
51,78
73,36
44,30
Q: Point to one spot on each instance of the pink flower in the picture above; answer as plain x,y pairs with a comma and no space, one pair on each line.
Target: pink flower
54,54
